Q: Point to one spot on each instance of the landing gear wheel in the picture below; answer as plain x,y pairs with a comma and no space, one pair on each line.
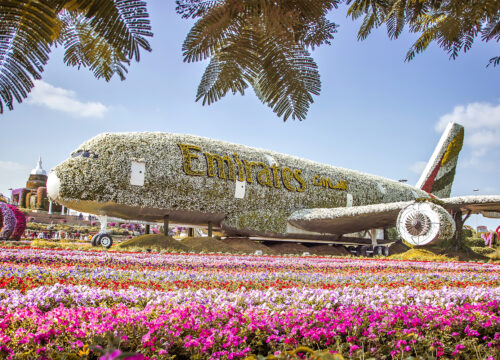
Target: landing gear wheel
379,250
385,250
352,250
96,240
362,250
106,241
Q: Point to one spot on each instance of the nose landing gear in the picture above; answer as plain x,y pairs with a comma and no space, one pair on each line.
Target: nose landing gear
102,238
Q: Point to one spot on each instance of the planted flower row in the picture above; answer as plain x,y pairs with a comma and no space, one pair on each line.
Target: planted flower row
48,297
57,304
209,331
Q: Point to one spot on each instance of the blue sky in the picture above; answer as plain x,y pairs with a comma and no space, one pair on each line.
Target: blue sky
376,113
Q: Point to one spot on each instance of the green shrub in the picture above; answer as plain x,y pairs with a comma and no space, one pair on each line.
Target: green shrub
467,233
495,256
483,250
474,242
420,254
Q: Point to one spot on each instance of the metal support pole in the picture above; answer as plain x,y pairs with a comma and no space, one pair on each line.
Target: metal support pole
190,232
165,225
210,229
373,233
146,231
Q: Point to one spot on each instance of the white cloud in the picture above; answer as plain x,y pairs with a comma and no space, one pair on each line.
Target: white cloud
14,175
418,167
482,128
64,100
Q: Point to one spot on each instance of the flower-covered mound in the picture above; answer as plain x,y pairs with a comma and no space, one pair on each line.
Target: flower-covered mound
57,304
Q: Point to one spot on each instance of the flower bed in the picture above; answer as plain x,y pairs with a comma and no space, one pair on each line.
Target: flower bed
224,307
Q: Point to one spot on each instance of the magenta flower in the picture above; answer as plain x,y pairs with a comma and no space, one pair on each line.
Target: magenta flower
458,348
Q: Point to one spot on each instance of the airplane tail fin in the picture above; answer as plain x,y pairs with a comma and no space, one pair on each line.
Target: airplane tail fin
439,173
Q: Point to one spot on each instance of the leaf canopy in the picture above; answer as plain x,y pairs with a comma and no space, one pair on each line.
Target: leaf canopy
260,44
453,24
103,35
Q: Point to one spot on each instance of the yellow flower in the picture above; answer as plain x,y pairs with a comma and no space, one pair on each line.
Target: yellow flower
85,350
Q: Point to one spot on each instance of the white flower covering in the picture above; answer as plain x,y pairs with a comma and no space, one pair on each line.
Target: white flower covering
325,214
102,185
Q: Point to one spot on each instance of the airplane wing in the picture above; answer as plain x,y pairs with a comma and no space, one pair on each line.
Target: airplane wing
488,206
346,220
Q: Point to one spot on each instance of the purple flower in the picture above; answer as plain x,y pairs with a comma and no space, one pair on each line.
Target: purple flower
8,223
20,223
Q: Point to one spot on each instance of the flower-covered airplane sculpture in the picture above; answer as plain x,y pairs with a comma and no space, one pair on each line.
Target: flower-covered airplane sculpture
252,192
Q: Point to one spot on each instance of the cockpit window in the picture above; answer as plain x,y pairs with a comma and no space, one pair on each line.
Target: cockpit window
85,154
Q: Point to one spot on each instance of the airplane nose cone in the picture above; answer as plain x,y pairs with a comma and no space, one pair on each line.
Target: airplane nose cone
53,184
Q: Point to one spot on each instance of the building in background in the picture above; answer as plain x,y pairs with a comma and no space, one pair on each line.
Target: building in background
34,195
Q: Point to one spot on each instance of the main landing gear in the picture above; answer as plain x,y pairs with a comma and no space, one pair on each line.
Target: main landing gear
367,250
102,238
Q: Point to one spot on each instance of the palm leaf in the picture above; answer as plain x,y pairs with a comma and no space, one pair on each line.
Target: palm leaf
84,48
123,24
27,31
261,43
209,34
194,8
231,69
288,79
494,61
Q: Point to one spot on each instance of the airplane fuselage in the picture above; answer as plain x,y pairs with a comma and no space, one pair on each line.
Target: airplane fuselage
193,180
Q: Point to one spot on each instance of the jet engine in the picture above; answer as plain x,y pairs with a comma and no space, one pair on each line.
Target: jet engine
424,222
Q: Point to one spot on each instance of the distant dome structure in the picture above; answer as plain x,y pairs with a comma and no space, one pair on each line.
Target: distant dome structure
39,169
34,195
38,177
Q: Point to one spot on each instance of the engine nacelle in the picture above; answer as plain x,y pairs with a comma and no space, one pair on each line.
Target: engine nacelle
424,222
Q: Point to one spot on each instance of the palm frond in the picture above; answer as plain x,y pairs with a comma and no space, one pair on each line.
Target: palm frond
396,18
123,24
210,33
194,8
422,42
492,29
261,43
84,48
494,61
231,69
288,79
27,29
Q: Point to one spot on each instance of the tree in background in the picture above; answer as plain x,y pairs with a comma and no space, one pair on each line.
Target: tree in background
261,44
265,44
101,35
453,24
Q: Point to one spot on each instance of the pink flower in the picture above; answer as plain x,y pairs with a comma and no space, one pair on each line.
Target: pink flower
353,349
458,348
